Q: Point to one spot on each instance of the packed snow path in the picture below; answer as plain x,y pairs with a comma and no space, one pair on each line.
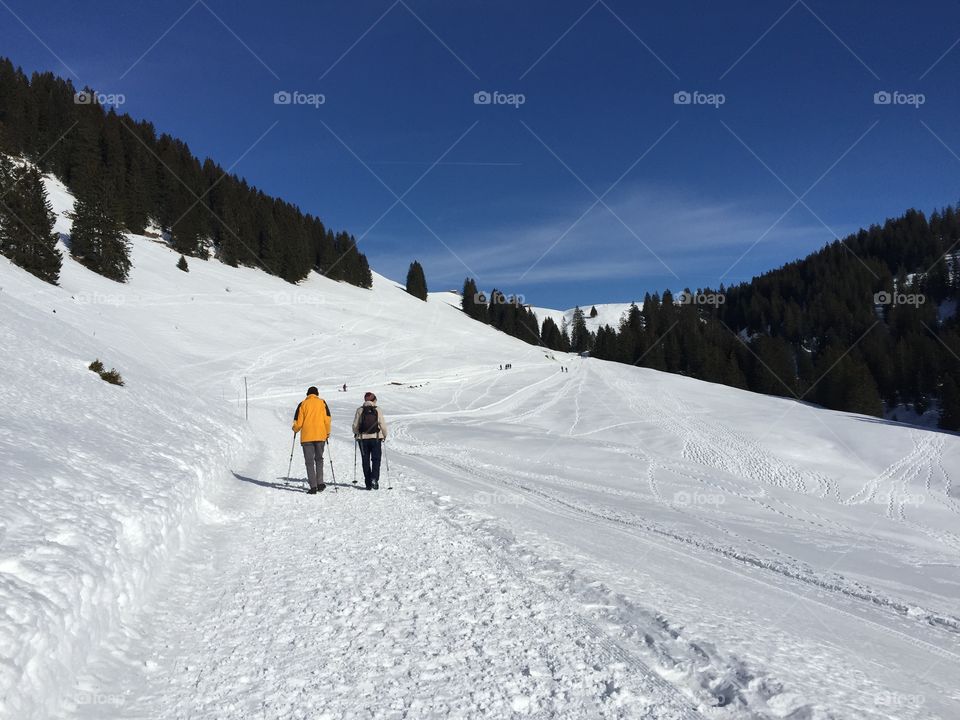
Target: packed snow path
360,604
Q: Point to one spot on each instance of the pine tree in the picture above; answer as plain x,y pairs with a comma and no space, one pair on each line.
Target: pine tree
473,302
605,344
6,174
564,335
187,233
579,335
550,335
97,239
497,309
468,297
182,264
26,224
364,273
416,281
774,371
861,394
593,311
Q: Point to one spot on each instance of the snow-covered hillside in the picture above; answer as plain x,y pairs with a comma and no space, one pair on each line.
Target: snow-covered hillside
608,542
607,314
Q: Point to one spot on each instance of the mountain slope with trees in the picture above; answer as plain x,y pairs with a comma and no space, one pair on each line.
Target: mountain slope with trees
153,178
867,324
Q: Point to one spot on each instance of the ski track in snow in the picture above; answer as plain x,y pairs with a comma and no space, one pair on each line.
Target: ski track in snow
720,679
507,477
448,459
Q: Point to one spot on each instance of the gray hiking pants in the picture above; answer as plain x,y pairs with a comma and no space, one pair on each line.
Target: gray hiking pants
313,457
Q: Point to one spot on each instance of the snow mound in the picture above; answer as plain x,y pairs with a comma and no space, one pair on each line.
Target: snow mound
101,485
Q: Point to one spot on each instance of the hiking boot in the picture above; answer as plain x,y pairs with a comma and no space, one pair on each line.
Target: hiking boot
321,487
376,485
312,491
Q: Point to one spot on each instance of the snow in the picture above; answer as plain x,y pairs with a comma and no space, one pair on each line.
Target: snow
100,486
908,414
608,542
607,314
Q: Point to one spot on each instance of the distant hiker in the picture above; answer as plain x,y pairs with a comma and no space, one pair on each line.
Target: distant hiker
312,421
370,430
501,366
344,387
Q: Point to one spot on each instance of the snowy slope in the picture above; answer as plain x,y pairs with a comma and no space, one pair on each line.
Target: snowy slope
100,486
607,314
608,542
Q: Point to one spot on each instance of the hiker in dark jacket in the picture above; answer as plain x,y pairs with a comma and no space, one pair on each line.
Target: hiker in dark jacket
370,430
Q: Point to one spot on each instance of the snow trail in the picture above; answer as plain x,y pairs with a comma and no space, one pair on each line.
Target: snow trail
357,604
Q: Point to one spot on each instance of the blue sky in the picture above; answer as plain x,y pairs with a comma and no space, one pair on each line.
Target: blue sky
600,186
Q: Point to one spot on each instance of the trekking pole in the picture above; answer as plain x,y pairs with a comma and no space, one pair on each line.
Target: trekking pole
290,464
356,443
386,459
332,473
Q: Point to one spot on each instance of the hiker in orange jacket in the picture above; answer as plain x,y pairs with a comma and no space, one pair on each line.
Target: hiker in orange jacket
312,421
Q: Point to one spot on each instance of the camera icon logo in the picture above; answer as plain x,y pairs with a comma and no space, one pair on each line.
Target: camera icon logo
882,298
482,97
682,98
83,98
282,98
882,97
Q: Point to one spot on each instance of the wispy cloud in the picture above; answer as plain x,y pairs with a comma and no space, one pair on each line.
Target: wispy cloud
692,235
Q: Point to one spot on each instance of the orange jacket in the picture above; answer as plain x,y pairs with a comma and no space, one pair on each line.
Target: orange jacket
312,420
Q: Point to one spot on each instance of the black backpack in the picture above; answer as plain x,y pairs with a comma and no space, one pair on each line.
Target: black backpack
369,420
